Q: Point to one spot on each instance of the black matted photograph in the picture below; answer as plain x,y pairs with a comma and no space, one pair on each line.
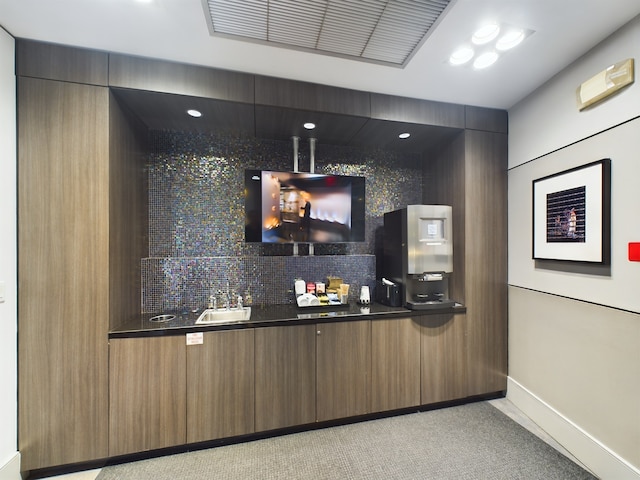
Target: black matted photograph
571,214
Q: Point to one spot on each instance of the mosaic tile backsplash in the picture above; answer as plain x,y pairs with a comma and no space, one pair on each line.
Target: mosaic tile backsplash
196,219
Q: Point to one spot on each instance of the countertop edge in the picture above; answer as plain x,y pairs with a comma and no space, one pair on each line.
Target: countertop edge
143,329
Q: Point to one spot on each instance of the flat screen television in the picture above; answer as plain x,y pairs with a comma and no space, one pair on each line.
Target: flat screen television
288,207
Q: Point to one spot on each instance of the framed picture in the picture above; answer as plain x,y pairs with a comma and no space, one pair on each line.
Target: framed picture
572,214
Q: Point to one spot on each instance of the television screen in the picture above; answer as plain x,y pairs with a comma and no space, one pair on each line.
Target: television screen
288,207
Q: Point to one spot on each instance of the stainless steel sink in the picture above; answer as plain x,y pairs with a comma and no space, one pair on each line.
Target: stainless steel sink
221,316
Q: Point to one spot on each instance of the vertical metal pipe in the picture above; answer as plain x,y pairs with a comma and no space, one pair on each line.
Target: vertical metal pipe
296,140
312,155
312,167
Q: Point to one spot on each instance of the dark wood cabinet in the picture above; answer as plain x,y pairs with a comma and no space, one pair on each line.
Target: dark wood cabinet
220,385
285,376
343,369
147,394
443,358
395,364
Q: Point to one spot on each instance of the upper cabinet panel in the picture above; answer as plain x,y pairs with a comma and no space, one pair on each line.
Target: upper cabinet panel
169,77
411,110
278,92
58,62
486,119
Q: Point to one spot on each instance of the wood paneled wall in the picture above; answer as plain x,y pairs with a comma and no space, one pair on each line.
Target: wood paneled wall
57,62
424,112
485,258
471,175
444,183
63,282
128,212
284,93
170,77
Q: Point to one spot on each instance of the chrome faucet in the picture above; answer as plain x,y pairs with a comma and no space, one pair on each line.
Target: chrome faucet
213,301
227,299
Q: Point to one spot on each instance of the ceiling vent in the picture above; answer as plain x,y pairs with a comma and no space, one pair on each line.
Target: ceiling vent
380,31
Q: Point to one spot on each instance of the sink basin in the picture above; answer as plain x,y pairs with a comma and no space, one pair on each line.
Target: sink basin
220,316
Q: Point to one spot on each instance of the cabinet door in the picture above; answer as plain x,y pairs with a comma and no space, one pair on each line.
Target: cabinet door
220,383
395,364
285,376
147,394
343,377
443,358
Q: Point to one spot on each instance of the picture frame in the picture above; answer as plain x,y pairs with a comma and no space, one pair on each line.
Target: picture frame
571,213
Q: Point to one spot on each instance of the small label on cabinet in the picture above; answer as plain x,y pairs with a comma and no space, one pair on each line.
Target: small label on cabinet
195,338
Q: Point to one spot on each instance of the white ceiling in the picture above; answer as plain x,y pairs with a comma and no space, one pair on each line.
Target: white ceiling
177,30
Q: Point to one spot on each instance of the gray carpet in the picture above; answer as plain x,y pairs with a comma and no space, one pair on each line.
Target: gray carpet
469,442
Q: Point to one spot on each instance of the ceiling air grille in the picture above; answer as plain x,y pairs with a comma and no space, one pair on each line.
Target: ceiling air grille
380,31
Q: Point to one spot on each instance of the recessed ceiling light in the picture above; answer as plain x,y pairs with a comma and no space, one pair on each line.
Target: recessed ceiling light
485,60
194,113
461,56
486,34
510,39
404,135
309,126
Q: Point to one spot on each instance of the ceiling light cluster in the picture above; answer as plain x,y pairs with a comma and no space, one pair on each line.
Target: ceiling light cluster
486,44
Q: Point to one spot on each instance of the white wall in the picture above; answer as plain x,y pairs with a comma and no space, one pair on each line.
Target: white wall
574,331
9,458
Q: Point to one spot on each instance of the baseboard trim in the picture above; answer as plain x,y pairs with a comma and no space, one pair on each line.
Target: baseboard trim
597,457
11,469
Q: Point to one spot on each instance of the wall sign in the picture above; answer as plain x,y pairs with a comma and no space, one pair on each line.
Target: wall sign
571,214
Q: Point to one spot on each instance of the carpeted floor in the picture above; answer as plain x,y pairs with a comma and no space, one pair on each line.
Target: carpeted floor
469,442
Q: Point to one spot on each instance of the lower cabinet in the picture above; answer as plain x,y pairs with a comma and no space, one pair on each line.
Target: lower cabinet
165,391
443,361
395,364
147,393
343,369
220,385
285,376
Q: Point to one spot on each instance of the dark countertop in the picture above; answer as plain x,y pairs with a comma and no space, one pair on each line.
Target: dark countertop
268,315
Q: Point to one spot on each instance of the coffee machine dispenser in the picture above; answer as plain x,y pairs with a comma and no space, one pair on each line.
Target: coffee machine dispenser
418,254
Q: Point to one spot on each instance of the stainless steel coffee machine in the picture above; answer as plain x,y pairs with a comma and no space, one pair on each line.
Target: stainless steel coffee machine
418,254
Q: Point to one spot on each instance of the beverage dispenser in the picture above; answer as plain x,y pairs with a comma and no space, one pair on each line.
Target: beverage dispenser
418,254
